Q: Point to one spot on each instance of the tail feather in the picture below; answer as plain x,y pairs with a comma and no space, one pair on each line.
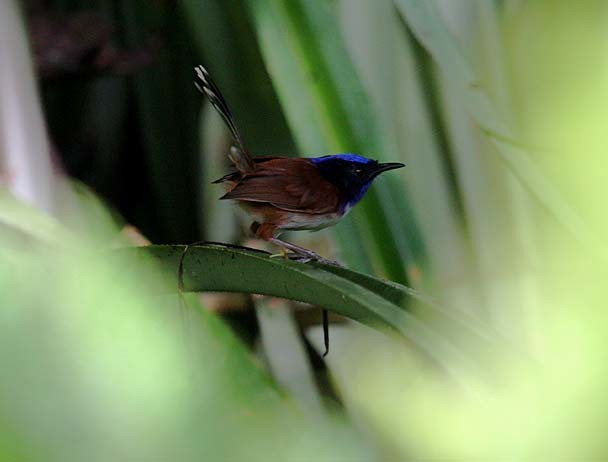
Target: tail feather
205,84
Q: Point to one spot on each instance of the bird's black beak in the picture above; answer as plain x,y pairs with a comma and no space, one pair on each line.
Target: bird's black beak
389,166
386,167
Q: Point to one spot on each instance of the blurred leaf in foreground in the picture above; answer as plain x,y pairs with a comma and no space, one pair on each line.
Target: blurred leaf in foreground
101,369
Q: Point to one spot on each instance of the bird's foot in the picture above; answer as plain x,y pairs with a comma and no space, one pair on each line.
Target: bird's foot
301,254
305,258
309,257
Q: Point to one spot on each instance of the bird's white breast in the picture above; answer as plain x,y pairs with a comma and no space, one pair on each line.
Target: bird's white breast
312,222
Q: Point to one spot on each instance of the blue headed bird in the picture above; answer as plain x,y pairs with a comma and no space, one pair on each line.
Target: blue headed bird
286,193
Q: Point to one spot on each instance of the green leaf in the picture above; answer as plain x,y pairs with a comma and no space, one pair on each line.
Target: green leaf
368,300
430,29
435,201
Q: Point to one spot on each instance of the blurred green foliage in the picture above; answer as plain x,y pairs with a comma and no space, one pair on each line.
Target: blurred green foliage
498,224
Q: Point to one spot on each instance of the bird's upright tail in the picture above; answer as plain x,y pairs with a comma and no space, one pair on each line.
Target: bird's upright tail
239,155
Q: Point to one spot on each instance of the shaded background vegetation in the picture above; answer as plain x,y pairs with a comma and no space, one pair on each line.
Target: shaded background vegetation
497,223
122,110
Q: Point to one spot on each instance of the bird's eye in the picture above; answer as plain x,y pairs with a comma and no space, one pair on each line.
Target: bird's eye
358,170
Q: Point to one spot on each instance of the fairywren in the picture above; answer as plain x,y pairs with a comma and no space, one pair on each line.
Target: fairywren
286,193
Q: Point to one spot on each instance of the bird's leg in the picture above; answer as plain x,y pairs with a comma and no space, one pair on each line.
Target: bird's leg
267,232
300,253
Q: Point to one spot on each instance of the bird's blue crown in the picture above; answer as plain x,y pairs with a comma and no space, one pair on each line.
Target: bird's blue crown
347,157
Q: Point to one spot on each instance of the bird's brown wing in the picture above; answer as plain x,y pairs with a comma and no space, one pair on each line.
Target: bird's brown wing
235,174
289,184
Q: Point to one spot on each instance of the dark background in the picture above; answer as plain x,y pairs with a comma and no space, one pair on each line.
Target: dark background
123,114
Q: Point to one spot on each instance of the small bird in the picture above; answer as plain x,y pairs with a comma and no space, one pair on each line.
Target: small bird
286,193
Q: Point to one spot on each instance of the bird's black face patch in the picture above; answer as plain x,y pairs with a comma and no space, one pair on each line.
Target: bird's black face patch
353,178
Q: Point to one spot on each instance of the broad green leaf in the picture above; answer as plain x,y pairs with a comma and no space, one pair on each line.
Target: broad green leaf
429,28
100,368
360,297
496,207
435,200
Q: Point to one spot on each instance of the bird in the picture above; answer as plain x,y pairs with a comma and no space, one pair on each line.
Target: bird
290,193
